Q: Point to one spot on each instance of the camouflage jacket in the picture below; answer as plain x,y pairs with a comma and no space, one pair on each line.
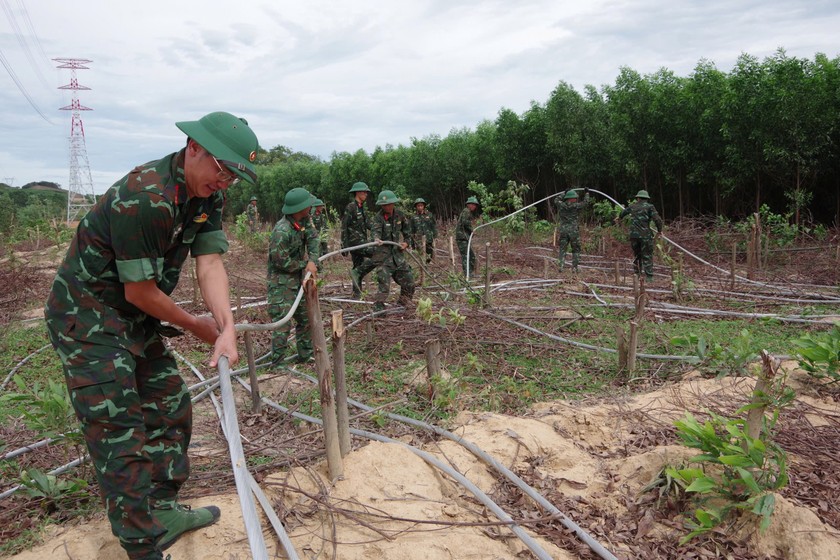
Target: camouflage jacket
424,224
252,213
355,225
568,213
642,213
142,228
291,247
319,220
394,227
465,225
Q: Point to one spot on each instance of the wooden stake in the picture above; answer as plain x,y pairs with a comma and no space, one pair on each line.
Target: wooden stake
763,387
631,351
421,253
340,377
196,288
545,268
432,364
554,241
256,400
486,274
452,252
617,274
622,348
732,267
322,366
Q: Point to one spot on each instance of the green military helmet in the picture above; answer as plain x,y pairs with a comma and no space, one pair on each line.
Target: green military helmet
229,139
317,202
642,194
359,186
570,194
419,201
472,200
296,200
253,198
386,197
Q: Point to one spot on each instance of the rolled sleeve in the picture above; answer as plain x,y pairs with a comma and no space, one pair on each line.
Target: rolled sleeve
140,270
209,243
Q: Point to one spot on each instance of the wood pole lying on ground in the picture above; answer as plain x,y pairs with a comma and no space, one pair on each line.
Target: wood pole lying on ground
322,366
432,364
487,274
339,373
732,268
256,400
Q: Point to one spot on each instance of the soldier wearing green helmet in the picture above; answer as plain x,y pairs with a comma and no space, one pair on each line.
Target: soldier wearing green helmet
355,230
423,223
642,213
253,215
568,228
104,316
318,215
293,250
390,224
463,230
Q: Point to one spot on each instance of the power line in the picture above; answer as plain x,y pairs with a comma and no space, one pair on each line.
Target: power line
20,87
21,39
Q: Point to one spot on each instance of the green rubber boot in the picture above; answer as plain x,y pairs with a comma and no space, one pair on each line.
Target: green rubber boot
179,519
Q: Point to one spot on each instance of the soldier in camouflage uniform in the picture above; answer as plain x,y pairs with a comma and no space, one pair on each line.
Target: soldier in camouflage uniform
355,230
104,316
292,251
253,215
319,220
423,223
463,230
568,210
389,224
642,213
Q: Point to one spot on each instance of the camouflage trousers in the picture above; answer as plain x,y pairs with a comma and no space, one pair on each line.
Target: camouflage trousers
253,226
402,275
136,418
566,237
362,266
462,248
643,256
281,296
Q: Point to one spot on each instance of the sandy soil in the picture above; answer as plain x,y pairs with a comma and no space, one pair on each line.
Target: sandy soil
574,447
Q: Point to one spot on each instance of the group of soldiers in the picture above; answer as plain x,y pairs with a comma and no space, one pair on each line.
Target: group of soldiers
299,239
642,213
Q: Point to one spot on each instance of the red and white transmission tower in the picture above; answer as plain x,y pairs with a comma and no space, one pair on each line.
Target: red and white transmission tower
80,195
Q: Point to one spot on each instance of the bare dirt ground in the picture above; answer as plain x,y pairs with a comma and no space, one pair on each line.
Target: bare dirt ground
591,458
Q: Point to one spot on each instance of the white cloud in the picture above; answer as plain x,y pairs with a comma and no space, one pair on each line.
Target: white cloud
324,75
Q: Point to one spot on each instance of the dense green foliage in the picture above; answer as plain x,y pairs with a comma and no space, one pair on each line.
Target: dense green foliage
712,142
25,210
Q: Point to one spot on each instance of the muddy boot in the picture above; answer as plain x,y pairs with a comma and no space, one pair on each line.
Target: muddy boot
179,519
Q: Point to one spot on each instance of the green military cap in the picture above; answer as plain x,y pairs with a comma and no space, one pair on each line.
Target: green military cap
419,201
296,200
473,200
229,139
317,202
253,198
570,194
642,194
386,197
360,186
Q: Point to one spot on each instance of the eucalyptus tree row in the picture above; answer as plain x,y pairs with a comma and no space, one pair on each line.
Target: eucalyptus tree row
767,132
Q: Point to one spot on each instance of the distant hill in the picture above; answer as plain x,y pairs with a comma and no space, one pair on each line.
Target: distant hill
43,186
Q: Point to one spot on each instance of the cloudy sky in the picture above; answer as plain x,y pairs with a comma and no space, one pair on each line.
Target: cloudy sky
323,75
